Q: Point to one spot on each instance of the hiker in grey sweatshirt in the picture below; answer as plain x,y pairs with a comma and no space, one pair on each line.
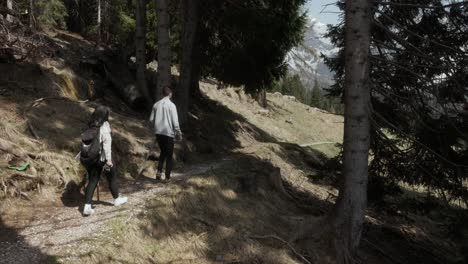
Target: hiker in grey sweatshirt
165,123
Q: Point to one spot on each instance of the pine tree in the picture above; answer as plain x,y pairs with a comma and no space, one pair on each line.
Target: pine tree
189,18
246,42
349,211
417,93
164,47
140,45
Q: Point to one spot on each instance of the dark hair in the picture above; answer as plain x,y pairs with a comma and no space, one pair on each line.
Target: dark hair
166,91
99,116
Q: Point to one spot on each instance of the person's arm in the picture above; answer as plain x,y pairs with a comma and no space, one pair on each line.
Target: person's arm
107,143
153,117
175,121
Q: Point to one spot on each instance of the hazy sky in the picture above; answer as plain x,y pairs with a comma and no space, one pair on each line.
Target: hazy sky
315,10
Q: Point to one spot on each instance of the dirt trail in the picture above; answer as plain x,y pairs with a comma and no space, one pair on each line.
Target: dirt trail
62,231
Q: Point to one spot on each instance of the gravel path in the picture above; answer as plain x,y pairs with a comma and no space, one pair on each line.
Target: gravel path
61,230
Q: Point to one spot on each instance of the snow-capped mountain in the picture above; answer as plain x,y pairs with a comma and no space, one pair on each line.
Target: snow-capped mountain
305,59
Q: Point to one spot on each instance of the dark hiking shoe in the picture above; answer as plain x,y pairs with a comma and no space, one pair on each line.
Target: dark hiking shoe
167,179
158,176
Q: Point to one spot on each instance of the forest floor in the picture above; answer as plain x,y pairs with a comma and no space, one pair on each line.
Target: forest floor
247,181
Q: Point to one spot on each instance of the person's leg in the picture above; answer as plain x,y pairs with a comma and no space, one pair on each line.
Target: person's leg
169,156
162,157
112,180
94,173
111,176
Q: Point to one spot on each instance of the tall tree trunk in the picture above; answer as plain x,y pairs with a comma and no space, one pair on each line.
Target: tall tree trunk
164,47
129,4
196,69
350,208
140,44
262,98
32,23
81,26
99,20
9,18
189,17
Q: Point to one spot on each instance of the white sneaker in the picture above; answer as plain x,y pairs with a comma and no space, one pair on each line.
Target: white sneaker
120,200
88,210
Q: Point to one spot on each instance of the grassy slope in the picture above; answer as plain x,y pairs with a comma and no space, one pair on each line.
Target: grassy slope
231,214
234,215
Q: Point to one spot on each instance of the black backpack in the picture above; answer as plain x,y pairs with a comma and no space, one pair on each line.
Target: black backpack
90,146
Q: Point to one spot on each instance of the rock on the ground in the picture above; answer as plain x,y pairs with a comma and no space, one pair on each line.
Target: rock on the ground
264,112
290,98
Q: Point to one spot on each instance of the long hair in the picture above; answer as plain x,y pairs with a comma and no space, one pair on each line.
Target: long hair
99,116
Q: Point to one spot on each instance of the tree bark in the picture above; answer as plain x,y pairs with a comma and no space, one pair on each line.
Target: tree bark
32,23
9,18
164,47
140,44
262,98
189,17
349,211
99,20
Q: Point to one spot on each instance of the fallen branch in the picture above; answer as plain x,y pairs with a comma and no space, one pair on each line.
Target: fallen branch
20,175
283,241
24,195
33,131
9,147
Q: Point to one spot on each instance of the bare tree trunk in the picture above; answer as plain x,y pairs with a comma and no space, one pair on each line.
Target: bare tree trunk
349,211
189,17
80,17
196,69
99,20
9,18
140,51
32,23
262,98
164,47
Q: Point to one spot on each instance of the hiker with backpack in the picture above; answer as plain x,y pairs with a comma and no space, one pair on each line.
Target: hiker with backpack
165,123
96,156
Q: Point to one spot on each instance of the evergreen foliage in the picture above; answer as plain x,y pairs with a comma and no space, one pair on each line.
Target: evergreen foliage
316,97
233,36
51,13
419,93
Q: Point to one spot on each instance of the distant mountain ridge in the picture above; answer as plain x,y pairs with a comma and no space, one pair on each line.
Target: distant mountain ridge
305,59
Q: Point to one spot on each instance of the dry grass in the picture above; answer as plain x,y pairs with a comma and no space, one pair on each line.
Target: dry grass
286,120
206,219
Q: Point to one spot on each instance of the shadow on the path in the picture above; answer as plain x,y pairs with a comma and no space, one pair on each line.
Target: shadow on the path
15,250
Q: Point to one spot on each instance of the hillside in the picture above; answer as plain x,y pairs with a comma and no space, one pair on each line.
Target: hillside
251,184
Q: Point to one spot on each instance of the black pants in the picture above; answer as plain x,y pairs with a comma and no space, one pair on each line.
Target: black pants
166,144
94,173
